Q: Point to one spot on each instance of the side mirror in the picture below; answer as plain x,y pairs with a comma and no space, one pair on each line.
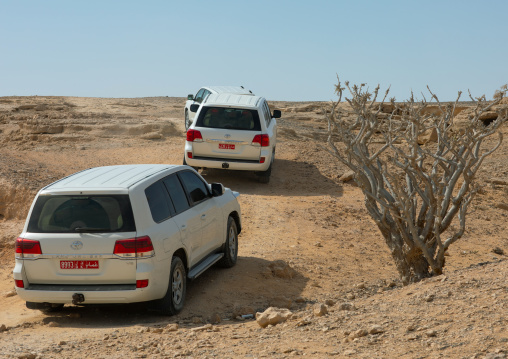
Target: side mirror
217,189
276,113
190,97
194,107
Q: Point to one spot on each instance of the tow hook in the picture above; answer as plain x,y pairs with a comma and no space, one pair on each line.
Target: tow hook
225,165
77,298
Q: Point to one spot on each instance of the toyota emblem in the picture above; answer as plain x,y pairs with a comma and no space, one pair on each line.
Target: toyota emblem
77,245
227,135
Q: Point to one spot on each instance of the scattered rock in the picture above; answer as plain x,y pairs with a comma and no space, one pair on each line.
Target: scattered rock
157,330
272,316
330,302
62,342
3,328
53,324
319,310
27,356
376,329
429,298
350,296
203,328
431,333
358,334
498,250
10,293
281,269
346,306
348,176
502,206
172,327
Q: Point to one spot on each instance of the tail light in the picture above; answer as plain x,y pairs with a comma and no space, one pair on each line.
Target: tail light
194,136
261,140
139,247
189,154
19,283
142,283
27,248
262,160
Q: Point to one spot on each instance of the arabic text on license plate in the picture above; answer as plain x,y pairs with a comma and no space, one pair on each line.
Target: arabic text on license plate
79,264
226,146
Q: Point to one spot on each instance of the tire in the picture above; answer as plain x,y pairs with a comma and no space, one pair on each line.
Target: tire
173,301
187,120
230,246
264,177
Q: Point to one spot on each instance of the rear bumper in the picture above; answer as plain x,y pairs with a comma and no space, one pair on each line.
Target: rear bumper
229,163
91,297
93,293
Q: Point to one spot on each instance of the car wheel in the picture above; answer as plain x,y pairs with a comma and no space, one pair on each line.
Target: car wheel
231,245
187,120
264,177
172,303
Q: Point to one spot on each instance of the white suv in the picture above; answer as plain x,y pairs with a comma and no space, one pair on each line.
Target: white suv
124,234
204,92
236,132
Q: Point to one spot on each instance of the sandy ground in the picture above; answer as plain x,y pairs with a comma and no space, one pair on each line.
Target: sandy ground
307,241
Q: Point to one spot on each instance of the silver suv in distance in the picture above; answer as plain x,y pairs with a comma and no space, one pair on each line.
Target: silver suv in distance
235,132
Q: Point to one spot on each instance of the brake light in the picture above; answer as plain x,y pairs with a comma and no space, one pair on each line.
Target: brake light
262,160
189,154
27,248
19,283
139,247
261,140
194,136
142,283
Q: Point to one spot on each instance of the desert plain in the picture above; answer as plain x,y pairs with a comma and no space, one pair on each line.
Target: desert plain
308,246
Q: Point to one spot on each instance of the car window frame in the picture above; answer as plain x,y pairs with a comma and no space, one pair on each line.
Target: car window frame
169,193
186,190
172,211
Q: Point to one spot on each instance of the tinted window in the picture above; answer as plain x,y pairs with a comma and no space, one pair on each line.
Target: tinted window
90,213
158,201
268,115
199,95
194,185
176,192
229,118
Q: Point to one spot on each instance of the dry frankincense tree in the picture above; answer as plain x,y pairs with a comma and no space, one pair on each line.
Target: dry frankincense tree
418,194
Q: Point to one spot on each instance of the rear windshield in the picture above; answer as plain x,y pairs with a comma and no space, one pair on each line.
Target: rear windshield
71,214
229,118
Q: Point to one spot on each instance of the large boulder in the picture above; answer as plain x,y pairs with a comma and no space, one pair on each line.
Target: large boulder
273,316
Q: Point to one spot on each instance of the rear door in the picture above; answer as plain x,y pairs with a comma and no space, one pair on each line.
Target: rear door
77,235
228,133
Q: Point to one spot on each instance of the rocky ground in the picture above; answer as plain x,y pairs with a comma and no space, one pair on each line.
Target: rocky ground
308,245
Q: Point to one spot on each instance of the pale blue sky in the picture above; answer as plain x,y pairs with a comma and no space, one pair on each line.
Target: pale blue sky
282,50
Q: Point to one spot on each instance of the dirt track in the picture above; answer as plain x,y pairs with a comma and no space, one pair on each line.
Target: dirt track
305,222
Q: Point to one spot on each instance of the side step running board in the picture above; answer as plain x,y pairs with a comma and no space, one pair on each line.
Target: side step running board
204,265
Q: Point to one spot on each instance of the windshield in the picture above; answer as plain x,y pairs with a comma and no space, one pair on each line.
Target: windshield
229,118
72,214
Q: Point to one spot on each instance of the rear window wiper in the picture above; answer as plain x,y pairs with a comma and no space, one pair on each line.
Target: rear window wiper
91,229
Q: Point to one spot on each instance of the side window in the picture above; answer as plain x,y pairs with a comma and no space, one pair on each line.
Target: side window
195,187
199,95
158,201
176,193
206,93
268,115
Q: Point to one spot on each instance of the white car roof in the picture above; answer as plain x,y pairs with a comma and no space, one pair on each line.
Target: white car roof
227,99
229,89
117,178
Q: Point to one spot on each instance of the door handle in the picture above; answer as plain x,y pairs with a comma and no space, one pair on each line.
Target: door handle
184,227
203,217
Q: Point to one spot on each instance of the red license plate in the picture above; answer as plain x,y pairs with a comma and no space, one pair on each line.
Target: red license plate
79,264
226,146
